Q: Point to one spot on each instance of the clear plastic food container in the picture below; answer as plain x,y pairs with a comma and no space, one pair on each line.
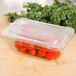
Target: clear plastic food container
37,38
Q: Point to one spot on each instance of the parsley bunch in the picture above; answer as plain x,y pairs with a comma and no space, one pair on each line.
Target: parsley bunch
63,14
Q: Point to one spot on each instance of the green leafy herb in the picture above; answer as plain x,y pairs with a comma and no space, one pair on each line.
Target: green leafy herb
63,14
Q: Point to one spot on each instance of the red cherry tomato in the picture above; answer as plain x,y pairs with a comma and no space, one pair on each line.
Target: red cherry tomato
44,48
18,42
32,52
28,45
23,50
17,45
41,53
50,55
57,54
47,49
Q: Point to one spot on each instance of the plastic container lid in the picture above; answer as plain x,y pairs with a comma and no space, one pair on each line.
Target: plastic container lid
42,34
